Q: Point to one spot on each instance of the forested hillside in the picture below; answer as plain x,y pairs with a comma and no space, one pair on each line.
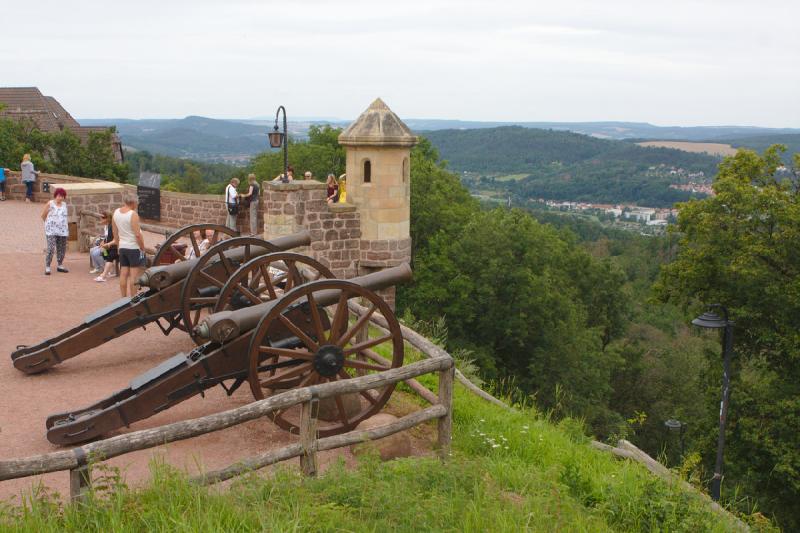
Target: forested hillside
567,313
569,166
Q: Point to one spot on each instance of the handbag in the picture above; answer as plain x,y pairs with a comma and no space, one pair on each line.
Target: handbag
233,209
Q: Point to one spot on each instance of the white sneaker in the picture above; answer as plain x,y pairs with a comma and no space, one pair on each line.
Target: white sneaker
95,271
100,279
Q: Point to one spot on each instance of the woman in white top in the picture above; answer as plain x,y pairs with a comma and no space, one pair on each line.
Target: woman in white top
232,203
130,244
56,230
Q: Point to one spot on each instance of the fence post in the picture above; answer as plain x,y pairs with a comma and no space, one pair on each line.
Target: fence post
79,482
308,436
445,424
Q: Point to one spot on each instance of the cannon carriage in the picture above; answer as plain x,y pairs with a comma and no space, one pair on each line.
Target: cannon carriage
177,296
301,338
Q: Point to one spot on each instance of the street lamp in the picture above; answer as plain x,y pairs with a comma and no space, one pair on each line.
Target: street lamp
676,426
276,138
711,320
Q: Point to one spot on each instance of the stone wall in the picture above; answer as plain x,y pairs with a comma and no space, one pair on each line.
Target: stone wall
177,209
335,229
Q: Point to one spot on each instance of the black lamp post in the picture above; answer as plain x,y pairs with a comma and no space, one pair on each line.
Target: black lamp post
276,138
676,426
712,320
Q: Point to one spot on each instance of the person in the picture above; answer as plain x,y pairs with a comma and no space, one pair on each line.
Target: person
332,188
252,195
202,246
3,172
289,172
308,175
56,230
29,176
107,250
130,245
232,203
342,188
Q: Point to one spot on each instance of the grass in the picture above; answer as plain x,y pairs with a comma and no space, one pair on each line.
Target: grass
508,471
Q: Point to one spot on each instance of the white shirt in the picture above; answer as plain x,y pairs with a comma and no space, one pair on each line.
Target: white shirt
230,194
127,239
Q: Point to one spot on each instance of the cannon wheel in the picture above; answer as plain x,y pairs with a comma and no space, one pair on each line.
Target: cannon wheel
194,303
340,350
218,234
268,277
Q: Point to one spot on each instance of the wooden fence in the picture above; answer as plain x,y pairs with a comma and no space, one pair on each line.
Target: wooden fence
77,460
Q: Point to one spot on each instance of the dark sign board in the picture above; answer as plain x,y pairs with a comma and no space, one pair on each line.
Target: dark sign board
149,192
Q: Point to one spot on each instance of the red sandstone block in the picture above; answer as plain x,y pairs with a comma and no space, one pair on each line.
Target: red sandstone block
311,217
334,255
319,245
316,234
337,245
331,235
352,223
379,246
378,256
351,244
327,224
338,223
392,246
288,209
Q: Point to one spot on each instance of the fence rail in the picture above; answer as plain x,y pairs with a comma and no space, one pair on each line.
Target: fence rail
77,459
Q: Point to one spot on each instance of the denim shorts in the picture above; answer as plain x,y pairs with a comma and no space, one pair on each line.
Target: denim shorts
131,257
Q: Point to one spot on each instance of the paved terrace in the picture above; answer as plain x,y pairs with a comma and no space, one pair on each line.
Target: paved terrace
34,307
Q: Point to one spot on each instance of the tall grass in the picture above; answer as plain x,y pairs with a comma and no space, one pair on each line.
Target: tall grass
509,471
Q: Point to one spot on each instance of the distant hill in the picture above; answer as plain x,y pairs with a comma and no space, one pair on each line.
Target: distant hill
614,130
200,138
568,166
762,142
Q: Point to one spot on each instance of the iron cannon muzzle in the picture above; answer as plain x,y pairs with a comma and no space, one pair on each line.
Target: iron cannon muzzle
162,276
226,325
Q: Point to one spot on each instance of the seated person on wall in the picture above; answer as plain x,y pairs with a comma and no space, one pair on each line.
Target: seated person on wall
103,254
289,172
332,189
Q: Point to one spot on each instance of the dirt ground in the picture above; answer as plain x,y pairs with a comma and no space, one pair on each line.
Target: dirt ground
34,307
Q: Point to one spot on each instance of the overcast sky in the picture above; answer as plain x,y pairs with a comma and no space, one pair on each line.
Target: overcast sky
666,62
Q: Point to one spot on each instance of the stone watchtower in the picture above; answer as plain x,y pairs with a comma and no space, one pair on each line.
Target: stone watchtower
378,146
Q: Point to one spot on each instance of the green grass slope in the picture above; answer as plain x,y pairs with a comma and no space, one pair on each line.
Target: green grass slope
509,471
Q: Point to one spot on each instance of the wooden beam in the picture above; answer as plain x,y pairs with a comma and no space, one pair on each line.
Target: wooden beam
327,443
148,438
445,424
79,483
308,436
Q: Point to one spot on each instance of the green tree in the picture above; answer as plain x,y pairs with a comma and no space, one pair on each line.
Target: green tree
193,181
741,248
321,155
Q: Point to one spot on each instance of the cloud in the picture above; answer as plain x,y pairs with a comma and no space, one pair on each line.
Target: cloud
677,62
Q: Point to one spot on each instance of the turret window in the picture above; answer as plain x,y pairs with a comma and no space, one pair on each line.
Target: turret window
367,171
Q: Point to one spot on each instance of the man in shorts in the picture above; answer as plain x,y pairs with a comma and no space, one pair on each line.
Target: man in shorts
130,244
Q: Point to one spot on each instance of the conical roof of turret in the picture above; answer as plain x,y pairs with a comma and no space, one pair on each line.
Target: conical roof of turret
377,126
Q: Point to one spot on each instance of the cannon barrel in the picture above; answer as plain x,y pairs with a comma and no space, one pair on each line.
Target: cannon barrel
162,276
226,325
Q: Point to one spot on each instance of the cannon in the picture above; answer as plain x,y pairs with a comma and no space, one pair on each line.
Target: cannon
302,337
178,295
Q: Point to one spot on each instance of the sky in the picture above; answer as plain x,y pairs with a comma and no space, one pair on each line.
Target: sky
677,62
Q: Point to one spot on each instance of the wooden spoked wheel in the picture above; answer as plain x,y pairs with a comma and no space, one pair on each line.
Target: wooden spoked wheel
193,236
203,285
297,344
268,277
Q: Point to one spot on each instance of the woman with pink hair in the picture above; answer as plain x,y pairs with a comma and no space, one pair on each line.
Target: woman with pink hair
56,230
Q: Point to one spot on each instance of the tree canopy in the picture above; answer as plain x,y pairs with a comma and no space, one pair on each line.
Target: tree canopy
741,248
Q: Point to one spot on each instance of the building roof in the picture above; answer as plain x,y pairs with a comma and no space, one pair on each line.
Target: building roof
377,126
47,114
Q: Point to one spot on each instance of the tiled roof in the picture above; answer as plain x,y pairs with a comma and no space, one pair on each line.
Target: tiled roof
47,114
